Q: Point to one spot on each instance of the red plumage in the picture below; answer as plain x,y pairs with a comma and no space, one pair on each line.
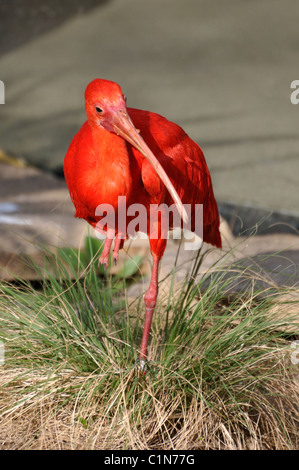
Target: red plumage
101,165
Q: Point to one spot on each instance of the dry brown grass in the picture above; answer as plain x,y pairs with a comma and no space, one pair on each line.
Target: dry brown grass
220,375
48,415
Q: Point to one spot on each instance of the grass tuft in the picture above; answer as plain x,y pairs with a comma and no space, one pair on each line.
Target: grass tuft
219,376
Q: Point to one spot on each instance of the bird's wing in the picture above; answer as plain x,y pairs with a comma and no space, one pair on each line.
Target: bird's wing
183,161
181,157
162,136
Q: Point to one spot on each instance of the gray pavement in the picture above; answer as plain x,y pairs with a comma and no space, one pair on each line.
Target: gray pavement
222,70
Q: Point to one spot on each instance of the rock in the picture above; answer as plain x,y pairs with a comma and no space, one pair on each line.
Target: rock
35,212
263,259
270,243
286,309
265,274
227,235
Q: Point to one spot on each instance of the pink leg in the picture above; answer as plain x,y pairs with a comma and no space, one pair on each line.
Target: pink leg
150,299
117,244
104,258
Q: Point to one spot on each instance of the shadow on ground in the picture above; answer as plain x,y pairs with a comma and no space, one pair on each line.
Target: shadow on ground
22,20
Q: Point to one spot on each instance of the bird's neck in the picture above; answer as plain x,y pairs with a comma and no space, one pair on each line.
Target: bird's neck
109,147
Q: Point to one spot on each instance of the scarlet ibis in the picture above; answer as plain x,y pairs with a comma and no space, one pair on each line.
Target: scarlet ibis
122,151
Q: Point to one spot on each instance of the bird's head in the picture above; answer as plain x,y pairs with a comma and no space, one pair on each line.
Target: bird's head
104,102
106,107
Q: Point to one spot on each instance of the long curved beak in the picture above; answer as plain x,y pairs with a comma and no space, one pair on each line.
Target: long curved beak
124,127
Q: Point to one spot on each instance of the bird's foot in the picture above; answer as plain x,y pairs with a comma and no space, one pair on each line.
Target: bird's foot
141,366
119,241
115,258
104,261
104,258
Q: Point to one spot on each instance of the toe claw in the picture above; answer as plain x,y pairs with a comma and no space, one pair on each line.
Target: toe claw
103,262
141,366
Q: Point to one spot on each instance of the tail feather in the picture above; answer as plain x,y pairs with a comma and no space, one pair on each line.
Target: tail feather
211,234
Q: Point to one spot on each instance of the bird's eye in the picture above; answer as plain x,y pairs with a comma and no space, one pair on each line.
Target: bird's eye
99,110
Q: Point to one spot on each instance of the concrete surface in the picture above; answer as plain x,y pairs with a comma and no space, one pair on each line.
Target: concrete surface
23,20
222,70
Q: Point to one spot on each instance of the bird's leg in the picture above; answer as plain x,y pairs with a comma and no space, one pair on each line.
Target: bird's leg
117,246
150,299
104,258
